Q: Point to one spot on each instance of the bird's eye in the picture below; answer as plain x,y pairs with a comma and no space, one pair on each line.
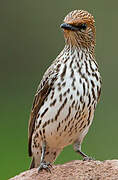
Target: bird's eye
82,26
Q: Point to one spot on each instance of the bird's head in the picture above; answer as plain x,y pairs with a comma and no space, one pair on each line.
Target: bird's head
79,29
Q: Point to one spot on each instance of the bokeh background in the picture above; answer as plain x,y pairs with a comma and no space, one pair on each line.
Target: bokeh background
30,38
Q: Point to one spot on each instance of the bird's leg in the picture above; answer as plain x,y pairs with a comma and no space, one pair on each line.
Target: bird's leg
77,148
43,164
85,157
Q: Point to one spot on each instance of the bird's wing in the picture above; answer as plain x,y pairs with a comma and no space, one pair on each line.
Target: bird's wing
43,91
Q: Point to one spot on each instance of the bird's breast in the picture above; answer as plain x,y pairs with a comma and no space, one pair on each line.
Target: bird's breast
68,111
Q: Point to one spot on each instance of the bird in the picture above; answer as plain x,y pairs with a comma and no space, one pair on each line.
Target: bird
66,98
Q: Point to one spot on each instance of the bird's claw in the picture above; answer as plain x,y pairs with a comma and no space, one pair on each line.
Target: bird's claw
88,158
45,166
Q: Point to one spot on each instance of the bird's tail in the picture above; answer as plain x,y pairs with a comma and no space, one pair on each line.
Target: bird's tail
32,165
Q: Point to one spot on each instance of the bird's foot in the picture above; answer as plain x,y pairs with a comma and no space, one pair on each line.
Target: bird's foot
45,166
86,158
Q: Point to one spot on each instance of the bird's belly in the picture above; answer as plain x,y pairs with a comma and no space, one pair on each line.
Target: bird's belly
65,130
67,118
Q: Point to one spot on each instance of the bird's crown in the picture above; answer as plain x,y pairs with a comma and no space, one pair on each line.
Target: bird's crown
79,16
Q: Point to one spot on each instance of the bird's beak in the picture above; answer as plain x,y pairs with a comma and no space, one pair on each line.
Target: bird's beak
68,27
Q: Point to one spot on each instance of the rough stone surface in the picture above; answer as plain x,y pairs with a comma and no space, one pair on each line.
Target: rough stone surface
75,170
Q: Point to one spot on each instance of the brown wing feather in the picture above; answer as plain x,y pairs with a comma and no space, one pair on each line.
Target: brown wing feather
38,101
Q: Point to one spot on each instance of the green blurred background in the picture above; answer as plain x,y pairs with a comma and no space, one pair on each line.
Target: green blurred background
30,38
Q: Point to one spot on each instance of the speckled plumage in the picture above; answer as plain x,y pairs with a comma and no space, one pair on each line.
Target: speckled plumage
67,96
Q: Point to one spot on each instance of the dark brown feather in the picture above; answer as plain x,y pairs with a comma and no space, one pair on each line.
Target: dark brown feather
42,92
38,101
32,165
